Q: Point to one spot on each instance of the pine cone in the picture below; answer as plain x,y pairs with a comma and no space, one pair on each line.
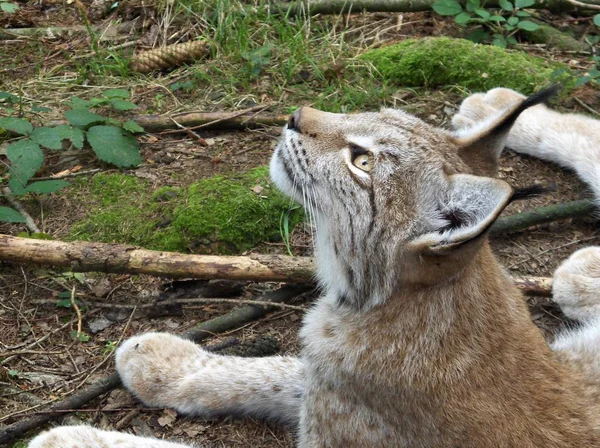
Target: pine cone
167,57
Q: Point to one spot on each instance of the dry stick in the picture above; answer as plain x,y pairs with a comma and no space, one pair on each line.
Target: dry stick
164,303
347,6
542,215
29,222
200,332
210,120
582,5
119,258
101,257
189,132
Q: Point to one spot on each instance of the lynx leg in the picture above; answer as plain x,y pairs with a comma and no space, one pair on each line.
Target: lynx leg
577,290
165,370
88,437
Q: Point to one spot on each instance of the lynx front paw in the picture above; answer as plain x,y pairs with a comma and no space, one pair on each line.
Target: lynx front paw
88,437
479,106
153,367
576,286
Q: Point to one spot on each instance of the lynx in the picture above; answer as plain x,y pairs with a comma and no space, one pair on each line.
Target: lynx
419,338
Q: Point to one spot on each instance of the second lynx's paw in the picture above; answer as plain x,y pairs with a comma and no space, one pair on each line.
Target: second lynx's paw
153,365
480,106
576,286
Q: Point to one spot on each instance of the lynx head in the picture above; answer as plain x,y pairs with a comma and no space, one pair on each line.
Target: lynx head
396,202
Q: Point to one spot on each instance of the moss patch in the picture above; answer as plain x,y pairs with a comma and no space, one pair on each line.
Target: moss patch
221,214
443,61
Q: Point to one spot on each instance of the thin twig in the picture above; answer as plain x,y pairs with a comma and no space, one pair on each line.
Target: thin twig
108,356
235,114
76,174
535,256
586,107
189,132
29,222
42,339
588,6
78,311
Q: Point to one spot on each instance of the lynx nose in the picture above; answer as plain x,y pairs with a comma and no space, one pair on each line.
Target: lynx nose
294,121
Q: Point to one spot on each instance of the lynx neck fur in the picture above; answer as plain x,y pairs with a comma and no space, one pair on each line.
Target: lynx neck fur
420,339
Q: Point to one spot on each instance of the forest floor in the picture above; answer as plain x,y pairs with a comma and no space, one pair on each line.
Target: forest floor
40,361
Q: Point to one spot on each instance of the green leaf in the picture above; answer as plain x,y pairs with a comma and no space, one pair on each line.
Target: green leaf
527,25
512,40
483,13
112,146
506,5
116,93
597,20
26,159
13,372
594,73
83,117
17,125
497,19
122,104
8,8
74,135
583,80
133,127
79,103
463,18
513,21
447,7
524,3
508,27
523,14
9,97
478,35
82,337
46,186
50,138
472,5
499,41
41,109
65,303
8,214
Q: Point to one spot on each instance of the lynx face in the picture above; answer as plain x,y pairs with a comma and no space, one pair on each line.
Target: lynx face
386,190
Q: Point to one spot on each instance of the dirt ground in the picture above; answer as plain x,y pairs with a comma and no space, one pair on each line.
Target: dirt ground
40,361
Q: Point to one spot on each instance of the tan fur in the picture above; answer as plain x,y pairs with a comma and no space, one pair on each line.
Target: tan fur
419,339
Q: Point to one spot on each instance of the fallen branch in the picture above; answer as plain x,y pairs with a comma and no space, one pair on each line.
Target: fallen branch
542,215
209,121
54,32
99,257
182,122
119,258
229,321
347,6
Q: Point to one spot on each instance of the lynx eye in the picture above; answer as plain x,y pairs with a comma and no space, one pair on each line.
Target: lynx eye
362,162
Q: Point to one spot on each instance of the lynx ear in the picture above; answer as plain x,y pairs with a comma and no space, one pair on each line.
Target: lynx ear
471,206
480,146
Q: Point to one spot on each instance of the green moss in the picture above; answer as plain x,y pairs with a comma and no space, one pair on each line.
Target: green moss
222,214
442,61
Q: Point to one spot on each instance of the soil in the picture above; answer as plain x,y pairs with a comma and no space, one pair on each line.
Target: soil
40,360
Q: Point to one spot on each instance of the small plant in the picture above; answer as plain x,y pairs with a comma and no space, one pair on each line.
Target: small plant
496,25
111,140
593,74
79,336
109,347
8,6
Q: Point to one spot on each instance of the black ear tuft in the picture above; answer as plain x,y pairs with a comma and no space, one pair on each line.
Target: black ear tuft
537,98
530,192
